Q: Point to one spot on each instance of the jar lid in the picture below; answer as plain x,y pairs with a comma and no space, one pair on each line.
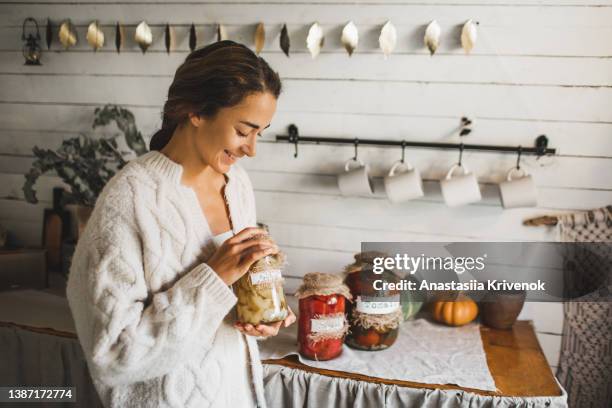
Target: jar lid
323,284
272,261
362,259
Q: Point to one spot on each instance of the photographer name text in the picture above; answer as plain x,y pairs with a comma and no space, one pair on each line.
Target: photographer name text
472,285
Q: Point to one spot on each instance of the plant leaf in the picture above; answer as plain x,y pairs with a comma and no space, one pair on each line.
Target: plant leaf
260,37
49,33
284,40
118,37
350,37
192,37
167,38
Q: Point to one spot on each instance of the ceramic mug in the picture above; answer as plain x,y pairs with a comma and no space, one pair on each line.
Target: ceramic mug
405,185
518,192
460,190
355,181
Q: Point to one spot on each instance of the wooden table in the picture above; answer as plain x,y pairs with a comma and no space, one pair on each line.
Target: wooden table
515,360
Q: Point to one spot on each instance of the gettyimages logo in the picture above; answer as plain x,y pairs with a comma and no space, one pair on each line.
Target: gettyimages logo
412,264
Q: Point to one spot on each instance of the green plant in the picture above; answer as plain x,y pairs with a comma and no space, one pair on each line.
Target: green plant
85,163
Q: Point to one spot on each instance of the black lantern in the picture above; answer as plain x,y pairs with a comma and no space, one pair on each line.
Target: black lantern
31,49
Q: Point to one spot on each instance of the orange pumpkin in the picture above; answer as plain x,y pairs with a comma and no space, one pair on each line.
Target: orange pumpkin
456,312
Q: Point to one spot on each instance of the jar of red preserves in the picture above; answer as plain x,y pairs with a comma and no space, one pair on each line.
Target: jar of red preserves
375,316
322,321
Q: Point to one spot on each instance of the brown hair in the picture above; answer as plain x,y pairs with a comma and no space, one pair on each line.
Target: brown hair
217,76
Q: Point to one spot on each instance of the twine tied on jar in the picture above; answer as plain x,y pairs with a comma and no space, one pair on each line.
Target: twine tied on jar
378,322
266,272
322,284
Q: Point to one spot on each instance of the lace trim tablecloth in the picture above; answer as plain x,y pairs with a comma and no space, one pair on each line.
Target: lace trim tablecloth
423,352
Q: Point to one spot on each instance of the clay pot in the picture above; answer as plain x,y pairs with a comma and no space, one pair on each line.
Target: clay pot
500,309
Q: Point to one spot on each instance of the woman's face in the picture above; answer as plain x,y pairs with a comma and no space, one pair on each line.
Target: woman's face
233,132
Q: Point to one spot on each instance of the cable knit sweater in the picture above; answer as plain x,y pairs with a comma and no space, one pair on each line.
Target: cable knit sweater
152,317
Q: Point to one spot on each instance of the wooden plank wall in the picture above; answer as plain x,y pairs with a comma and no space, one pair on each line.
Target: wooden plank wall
539,67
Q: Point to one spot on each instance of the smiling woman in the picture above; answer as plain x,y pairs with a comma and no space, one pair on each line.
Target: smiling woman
150,281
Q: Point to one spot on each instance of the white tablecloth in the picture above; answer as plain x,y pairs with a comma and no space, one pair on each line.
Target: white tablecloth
423,352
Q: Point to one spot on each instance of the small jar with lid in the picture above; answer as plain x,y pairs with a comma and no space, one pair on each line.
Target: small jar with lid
261,299
375,316
322,322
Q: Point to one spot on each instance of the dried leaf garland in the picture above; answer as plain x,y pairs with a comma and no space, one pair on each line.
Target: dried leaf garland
315,40
260,37
432,37
387,39
469,34
95,36
118,37
284,40
67,34
167,38
49,34
193,39
350,38
143,36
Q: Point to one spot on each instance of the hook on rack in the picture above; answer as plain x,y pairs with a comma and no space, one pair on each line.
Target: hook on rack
541,145
294,138
356,142
518,159
460,153
403,150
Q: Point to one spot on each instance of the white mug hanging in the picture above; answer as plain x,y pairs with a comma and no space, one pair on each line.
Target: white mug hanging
405,185
355,181
518,192
315,40
462,189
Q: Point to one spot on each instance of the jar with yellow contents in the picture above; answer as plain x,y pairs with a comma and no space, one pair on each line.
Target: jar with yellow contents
261,299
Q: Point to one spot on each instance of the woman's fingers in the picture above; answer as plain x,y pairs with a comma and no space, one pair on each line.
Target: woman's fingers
290,318
246,233
254,255
251,244
265,330
269,329
248,329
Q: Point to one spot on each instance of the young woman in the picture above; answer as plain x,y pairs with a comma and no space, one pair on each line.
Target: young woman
150,282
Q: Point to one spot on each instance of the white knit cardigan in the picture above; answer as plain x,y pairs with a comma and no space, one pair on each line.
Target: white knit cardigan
152,317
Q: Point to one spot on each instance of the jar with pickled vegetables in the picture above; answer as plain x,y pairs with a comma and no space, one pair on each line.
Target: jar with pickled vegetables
261,299
375,316
322,322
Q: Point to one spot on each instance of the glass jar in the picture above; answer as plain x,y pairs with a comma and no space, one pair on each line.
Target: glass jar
375,316
261,299
322,322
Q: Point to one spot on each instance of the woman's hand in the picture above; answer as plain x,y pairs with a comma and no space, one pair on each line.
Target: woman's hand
236,255
266,330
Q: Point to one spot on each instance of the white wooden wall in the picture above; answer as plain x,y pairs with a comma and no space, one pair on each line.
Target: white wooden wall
539,67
